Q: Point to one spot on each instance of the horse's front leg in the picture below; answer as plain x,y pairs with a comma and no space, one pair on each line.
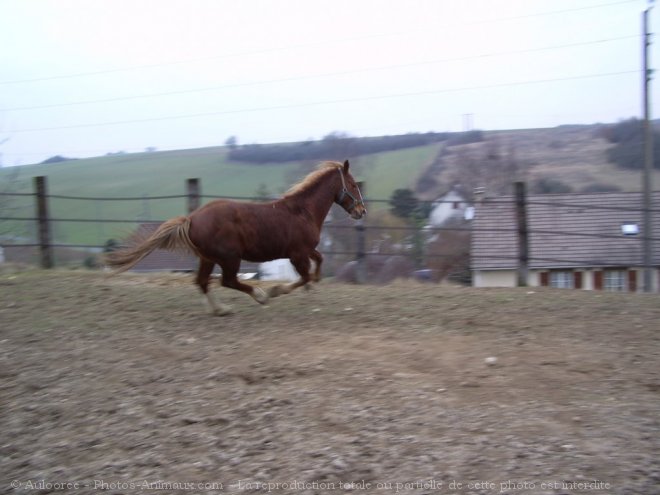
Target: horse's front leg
302,264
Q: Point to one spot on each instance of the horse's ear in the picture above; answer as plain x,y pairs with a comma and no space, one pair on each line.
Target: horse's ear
346,166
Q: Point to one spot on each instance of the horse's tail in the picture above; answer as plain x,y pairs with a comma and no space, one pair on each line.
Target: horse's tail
173,235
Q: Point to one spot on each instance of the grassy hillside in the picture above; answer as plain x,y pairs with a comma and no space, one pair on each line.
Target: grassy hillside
146,175
574,155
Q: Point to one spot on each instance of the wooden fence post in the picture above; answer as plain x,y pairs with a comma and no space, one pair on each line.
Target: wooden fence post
361,268
194,193
523,234
43,222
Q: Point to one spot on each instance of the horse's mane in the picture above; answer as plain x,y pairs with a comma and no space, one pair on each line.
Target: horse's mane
313,177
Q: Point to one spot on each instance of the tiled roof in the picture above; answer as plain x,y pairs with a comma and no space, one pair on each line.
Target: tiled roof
566,231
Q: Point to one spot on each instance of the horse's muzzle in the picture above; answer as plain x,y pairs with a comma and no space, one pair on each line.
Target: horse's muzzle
358,212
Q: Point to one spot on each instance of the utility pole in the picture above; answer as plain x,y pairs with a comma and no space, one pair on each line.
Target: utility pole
648,158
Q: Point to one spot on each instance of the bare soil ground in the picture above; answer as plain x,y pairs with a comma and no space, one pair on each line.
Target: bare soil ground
126,385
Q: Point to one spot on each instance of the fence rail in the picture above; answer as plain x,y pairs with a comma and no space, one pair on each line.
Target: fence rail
412,241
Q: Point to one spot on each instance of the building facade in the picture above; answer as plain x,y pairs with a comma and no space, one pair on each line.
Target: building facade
577,241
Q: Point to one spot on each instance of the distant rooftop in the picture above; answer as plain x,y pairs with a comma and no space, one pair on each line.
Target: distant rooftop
566,231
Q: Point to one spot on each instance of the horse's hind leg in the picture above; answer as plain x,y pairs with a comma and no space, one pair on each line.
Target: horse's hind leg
203,275
230,280
302,266
317,258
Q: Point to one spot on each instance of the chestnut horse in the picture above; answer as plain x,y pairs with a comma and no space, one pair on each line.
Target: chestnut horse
225,232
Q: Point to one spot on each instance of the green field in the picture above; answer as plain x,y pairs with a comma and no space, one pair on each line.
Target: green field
148,175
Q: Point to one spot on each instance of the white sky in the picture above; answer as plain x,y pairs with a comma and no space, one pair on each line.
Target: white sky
86,77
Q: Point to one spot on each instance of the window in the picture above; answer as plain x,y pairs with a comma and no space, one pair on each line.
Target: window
629,229
561,279
614,280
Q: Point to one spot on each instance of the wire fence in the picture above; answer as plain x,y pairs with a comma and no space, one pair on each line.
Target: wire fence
561,231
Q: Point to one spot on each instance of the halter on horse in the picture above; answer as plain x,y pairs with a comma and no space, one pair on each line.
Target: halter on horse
345,192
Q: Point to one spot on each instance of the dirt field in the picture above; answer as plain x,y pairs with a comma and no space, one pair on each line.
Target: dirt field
127,385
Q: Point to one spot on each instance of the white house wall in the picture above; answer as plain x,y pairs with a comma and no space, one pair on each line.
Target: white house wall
494,278
451,205
508,278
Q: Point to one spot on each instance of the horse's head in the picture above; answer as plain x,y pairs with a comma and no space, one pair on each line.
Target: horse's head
349,196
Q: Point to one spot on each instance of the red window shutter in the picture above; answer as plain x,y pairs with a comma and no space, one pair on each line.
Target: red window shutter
598,280
545,281
577,280
632,281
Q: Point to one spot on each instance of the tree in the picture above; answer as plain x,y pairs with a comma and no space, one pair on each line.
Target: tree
403,203
628,149
231,142
262,193
110,246
547,185
449,253
334,146
55,159
338,145
467,137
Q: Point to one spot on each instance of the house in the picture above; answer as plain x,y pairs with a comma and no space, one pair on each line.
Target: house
581,241
280,270
450,206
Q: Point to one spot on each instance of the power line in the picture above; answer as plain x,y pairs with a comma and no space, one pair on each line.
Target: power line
328,102
306,45
315,76
563,11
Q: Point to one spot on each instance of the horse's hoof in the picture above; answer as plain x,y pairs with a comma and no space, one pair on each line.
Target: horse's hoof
260,295
275,290
223,310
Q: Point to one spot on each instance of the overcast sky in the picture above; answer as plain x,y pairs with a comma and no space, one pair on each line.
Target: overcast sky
86,77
